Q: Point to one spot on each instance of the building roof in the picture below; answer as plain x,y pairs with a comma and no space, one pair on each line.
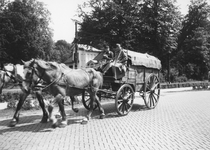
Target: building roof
87,48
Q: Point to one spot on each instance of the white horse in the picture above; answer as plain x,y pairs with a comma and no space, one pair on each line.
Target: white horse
14,74
11,74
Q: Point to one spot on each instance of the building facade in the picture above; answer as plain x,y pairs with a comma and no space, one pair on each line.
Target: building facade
85,54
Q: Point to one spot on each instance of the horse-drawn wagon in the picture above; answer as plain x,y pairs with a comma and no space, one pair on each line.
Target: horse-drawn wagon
142,76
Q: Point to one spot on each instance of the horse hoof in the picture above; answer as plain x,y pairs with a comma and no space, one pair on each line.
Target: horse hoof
55,125
63,124
76,110
12,124
84,121
102,116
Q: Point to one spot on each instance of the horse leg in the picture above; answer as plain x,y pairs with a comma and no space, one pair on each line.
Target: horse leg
76,110
92,98
15,118
59,100
42,104
100,107
0,90
52,117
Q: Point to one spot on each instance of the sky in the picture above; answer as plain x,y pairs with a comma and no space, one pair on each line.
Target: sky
63,11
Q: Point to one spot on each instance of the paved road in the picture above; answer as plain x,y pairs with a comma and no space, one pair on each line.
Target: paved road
181,121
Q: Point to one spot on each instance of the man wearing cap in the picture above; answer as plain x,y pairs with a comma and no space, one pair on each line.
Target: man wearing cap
107,55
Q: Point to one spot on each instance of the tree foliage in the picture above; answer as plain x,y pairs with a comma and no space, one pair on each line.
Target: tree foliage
24,31
143,26
155,27
61,51
194,42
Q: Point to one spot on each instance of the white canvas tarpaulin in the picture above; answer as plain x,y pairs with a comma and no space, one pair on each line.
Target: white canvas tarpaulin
146,60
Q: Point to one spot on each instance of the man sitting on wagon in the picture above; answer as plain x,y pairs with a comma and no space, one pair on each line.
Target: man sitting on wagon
102,58
107,54
118,64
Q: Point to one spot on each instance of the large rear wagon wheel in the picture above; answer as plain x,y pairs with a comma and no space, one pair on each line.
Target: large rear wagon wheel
151,91
124,99
86,101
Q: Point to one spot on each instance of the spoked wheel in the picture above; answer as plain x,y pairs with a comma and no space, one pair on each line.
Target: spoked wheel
151,91
124,99
86,101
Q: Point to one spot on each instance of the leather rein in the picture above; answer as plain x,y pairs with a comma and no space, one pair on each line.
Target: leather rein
40,78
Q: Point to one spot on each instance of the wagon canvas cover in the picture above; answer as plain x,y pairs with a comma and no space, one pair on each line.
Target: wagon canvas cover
146,60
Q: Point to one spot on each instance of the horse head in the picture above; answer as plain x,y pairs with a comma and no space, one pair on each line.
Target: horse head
36,69
9,67
8,74
30,74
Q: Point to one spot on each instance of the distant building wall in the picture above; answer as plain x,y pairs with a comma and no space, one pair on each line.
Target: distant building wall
85,56
85,53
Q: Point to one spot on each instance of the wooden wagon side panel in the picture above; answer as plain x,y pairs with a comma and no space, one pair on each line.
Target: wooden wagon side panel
141,74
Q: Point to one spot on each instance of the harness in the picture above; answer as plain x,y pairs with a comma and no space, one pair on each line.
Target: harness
53,82
62,76
89,86
39,80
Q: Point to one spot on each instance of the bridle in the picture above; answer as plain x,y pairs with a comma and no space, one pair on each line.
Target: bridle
12,75
39,80
30,79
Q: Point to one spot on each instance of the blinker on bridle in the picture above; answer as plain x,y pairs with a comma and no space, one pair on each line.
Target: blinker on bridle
30,79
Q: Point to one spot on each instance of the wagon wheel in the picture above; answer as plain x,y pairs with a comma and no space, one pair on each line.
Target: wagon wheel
124,99
151,91
86,101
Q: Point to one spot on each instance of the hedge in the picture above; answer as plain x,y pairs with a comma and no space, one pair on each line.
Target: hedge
195,85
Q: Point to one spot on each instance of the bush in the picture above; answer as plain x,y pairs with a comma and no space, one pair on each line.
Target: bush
6,97
182,78
13,98
162,77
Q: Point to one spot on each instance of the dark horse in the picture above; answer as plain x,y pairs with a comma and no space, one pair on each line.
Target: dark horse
13,74
63,81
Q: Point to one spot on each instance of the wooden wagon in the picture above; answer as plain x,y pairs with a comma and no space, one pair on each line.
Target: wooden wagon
142,76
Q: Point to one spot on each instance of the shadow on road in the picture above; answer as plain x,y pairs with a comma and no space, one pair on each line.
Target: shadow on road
26,124
30,122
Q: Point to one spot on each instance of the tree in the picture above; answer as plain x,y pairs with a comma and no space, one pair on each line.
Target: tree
158,28
146,26
24,30
3,4
61,51
110,22
194,41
